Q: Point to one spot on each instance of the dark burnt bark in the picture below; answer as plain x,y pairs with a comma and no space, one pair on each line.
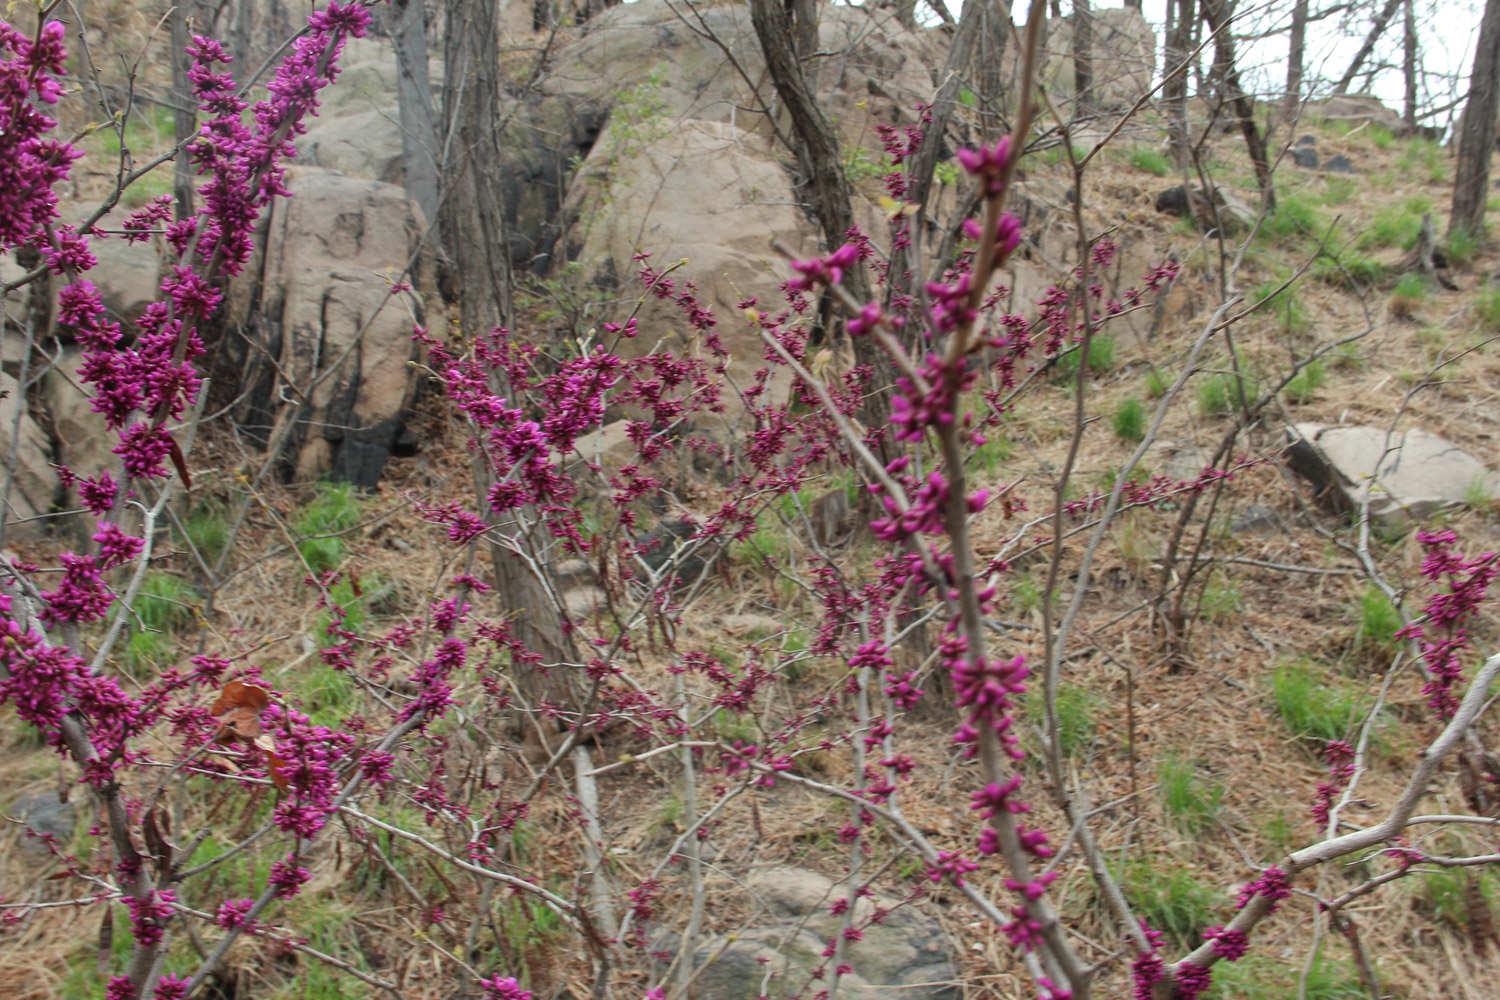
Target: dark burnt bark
1217,14
1477,135
1174,91
825,188
472,219
407,20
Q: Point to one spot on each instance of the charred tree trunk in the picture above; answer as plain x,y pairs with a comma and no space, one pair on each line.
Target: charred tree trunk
1217,14
1174,89
826,188
1382,21
408,30
1083,58
1409,63
906,261
1477,137
478,271
472,220
1296,47
184,120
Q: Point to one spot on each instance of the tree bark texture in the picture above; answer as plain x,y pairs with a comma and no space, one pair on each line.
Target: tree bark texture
407,20
1409,63
471,218
1218,14
971,25
1174,90
826,187
1083,58
1477,134
1296,47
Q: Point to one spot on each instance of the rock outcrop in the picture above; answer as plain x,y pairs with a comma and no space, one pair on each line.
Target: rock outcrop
1410,475
905,953
317,323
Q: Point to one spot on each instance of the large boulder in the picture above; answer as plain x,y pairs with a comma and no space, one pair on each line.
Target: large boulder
707,193
1355,109
1410,475
32,482
905,953
1124,56
83,440
315,320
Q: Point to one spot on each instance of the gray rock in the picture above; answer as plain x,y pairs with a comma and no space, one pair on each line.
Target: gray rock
32,478
44,816
1193,201
906,950
1339,164
1305,157
1307,140
1412,474
585,602
1255,519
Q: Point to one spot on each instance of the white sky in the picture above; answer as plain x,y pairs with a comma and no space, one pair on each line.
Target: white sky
1446,31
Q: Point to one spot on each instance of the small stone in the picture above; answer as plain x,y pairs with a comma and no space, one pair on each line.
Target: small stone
43,815
1305,158
1339,164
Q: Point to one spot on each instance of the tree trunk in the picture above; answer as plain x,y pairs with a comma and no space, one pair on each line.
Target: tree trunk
1083,58
826,187
1174,89
1296,46
184,120
1217,14
994,32
1376,30
971,24
1409,64
472,219
408,29
804,33
1477,136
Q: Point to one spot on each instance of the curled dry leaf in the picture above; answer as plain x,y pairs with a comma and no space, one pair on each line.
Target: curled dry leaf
238,709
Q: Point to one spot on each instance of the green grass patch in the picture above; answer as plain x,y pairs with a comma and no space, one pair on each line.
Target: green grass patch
1487,305
1152,162
1191,804
1444,894
1349,269
333,511
1260,977
1378,623
1156,384
768,545
1338,190
1101,358
1396,225
1129,421
207,529
1313,703
1284,303
1305,384
1425,158
1462,247
1172,900
1220,598
1294,217
1225,392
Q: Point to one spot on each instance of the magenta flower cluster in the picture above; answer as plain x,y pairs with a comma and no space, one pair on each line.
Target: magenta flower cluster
1442,633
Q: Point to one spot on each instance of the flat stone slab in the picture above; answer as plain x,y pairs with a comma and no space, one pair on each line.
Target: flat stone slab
1411,474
